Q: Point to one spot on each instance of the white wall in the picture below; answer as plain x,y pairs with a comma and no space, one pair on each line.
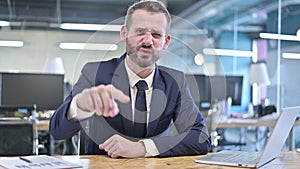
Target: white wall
40,45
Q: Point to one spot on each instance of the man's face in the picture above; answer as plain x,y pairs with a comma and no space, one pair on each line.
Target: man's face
146,37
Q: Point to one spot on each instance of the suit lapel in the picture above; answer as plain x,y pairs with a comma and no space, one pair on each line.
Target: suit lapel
158,103
120,81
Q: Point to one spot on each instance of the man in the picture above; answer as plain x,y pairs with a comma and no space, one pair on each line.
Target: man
123,120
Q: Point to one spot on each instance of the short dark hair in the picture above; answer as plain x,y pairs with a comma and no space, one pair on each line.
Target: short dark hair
151,6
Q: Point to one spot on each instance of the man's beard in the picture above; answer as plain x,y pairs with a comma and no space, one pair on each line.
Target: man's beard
141,60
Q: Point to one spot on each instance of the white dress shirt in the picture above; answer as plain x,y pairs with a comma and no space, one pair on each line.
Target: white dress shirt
76,113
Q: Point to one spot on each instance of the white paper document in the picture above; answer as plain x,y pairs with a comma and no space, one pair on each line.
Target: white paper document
36,162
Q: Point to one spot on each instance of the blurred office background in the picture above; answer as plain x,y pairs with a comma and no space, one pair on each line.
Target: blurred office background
247,31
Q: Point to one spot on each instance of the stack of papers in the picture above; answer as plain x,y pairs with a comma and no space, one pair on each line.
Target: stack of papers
36,162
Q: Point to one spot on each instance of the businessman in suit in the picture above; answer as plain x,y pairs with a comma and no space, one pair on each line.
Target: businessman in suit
129,106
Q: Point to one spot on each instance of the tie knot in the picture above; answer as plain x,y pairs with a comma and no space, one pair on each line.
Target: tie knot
141,85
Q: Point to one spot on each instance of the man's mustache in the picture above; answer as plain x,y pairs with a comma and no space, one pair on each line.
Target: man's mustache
144,46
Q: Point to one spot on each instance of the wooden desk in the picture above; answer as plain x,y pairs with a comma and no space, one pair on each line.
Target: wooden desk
43,124
286,160
236,123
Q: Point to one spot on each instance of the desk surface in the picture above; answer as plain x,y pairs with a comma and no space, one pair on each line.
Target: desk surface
43,124
286,160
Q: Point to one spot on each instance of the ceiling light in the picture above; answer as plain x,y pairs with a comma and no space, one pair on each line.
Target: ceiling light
54,65
279,36
227,52
88,46
4,23
298,34
291,55
259,74
199,59
90,27
6,43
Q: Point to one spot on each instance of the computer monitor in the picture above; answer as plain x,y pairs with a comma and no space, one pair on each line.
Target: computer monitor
223,87
44,90
197,86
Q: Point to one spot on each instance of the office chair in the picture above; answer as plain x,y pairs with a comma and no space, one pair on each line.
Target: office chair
214,116
18,130
71,146
82,138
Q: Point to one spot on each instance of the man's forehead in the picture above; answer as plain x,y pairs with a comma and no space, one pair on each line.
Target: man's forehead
146,19
142,13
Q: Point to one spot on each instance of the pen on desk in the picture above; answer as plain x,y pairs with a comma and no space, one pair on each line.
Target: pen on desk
25,159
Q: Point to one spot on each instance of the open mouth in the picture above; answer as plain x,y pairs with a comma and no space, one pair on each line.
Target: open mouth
145,50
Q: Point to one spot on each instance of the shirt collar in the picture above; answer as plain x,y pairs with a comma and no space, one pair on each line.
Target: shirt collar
134,78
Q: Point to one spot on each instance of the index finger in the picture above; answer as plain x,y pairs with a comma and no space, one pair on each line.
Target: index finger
119,95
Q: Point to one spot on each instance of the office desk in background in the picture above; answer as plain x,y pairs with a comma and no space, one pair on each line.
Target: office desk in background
236,123
286,160
242,123
43,125
230,123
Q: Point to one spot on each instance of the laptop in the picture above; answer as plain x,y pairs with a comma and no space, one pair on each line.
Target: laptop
271,150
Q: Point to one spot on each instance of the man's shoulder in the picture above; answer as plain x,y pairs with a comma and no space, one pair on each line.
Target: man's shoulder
164,68
171,75
169,71
96,63
104,63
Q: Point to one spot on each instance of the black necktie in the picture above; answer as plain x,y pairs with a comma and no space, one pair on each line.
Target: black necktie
140,114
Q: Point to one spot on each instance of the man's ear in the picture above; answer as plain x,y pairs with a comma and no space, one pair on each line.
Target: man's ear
167,42
123,33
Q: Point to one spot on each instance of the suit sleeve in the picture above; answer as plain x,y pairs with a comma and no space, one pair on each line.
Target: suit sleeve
60,127
192,137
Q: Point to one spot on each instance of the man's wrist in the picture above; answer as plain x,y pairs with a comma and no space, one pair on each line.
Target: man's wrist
75,113
150,148
143,151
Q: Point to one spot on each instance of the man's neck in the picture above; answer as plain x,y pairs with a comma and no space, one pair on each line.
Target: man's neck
141,72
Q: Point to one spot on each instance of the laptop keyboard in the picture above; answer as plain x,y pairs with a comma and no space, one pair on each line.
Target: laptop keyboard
243,157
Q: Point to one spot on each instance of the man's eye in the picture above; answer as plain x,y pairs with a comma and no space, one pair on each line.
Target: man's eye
156,35
139,31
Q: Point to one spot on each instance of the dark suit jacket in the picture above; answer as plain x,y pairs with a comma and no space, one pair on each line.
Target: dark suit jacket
171,105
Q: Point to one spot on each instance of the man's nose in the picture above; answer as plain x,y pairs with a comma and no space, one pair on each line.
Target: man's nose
148,39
